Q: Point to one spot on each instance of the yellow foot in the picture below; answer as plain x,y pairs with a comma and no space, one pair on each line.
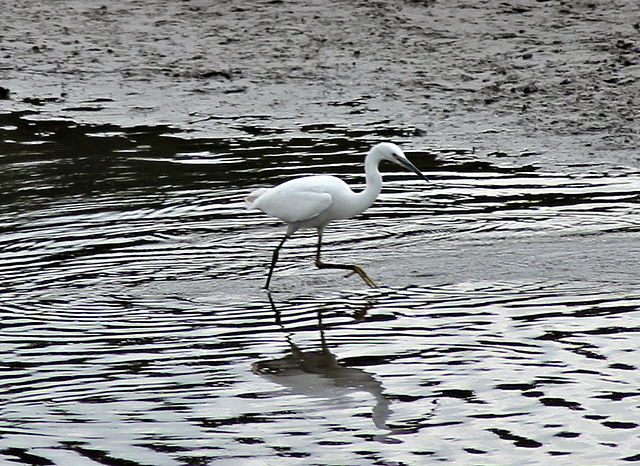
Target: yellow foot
355,269
367,279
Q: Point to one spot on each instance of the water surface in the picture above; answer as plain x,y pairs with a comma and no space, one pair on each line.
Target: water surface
134,329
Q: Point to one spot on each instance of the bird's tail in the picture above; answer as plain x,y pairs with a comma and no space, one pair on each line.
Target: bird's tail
252,198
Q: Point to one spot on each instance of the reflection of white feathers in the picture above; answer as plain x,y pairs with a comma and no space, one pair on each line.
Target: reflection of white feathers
317,374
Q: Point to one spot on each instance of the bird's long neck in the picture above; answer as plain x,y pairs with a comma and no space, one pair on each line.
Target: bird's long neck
374,183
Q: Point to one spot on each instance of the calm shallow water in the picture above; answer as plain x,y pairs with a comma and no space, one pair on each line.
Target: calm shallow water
134,329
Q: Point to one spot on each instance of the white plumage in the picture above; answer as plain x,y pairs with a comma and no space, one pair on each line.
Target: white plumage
314,201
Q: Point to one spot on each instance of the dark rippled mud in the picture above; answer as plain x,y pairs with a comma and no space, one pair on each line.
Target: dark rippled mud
504,77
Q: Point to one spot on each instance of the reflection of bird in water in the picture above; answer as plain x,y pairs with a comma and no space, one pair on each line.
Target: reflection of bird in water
318,374
314,201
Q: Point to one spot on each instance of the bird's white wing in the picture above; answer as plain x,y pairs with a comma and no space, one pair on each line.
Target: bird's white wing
294,201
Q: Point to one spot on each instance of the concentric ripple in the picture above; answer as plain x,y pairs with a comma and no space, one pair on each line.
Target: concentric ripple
133,329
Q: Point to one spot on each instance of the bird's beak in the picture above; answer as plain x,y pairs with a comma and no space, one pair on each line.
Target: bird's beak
406,164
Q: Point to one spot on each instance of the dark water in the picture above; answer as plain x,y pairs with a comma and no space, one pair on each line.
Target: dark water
134,329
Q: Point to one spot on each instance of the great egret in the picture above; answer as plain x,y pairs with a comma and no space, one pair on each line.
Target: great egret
314,201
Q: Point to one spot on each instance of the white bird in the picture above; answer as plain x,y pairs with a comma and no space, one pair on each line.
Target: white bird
314,201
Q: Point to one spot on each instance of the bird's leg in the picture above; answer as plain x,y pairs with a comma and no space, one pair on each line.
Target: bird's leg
352,267
274,259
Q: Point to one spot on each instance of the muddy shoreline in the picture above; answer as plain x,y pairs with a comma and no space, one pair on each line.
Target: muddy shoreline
502,77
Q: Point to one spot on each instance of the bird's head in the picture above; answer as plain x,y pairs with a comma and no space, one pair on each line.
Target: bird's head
392,153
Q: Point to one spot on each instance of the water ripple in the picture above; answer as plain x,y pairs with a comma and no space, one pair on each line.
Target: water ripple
133,329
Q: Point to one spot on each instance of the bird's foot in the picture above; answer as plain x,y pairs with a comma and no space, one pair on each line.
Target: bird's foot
353,269
367,279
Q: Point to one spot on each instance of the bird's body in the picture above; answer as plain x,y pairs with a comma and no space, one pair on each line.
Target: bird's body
314,201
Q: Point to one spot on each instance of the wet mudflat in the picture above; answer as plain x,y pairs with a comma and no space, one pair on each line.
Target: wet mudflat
133,326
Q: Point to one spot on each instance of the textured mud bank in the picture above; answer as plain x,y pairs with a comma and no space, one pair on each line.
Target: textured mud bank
503,77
